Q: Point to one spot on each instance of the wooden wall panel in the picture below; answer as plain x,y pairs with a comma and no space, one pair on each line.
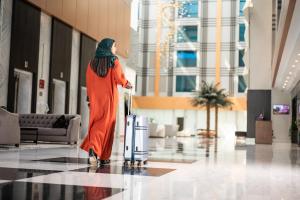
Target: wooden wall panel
39,3
82,13
69,11
112,25
96,18
93,18
126,30
103,19
121,24
54,7
118,25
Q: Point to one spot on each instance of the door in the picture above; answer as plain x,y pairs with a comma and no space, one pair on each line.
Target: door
59,96
60,66
24,53
23,91
87,51
180,122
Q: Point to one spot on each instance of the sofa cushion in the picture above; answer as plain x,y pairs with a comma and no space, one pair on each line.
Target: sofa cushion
37,120
28,131
53,131
60,122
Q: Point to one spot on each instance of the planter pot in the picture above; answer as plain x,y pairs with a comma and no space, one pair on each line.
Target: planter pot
294,137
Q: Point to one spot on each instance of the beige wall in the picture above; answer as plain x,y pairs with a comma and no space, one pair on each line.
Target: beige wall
96,18
260,45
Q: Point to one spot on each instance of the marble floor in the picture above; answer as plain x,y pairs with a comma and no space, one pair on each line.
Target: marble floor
178,168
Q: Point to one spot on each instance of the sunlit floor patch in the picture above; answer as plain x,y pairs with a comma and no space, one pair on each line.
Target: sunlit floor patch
141,171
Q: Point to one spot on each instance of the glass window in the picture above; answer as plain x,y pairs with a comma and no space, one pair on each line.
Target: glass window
241,55
188,9
185,83
186,58
242,32
242,84
187,34
242,4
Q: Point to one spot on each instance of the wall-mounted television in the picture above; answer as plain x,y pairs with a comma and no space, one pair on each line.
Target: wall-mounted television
281,109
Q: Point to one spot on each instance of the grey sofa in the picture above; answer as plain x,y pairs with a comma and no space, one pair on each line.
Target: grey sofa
40,127
9,128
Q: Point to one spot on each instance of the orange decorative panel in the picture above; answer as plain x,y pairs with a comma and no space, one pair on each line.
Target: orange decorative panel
153,102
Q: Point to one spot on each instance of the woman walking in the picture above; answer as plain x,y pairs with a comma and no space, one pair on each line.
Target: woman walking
103,75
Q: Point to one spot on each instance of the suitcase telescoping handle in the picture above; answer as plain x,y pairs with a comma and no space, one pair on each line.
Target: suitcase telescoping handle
129,102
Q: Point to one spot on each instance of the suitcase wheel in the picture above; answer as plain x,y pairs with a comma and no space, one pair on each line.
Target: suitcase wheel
139,164
126,163
132,163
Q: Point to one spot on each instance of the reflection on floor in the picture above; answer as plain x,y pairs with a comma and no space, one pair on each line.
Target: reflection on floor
28,190
19,173
178,168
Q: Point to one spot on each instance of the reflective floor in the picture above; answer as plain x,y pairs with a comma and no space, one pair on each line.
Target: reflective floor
178,168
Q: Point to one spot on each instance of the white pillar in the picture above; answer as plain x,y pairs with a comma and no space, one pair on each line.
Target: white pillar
44,63
5,34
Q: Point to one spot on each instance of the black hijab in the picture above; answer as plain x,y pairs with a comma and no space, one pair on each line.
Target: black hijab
104,58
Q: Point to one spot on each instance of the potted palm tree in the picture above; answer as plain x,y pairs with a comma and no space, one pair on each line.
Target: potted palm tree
294,132
221,101
205,97
211,96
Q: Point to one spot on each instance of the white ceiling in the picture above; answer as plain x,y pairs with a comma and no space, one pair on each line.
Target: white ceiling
289,69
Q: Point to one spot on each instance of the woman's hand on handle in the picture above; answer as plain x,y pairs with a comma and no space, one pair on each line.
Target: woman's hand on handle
128,85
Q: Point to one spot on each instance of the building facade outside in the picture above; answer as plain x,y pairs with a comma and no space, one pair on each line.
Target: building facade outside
188,51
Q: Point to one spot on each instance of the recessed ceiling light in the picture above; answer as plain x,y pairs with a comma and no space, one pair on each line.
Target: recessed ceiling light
290,73
298,54
293,66
296,61
287,77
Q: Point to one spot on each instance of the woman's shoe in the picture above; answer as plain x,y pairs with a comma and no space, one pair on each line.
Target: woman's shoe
104,162
92,158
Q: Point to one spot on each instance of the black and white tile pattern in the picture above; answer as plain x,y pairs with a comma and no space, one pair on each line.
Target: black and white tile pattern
198,169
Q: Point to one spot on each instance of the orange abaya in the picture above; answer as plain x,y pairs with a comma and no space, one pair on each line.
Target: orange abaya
103,97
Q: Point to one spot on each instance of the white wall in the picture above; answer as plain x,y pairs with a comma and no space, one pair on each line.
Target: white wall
44,63
281,123
260,47
5,34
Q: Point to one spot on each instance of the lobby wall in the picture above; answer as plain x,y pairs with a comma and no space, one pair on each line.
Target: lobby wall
259,102
260,45
281,123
